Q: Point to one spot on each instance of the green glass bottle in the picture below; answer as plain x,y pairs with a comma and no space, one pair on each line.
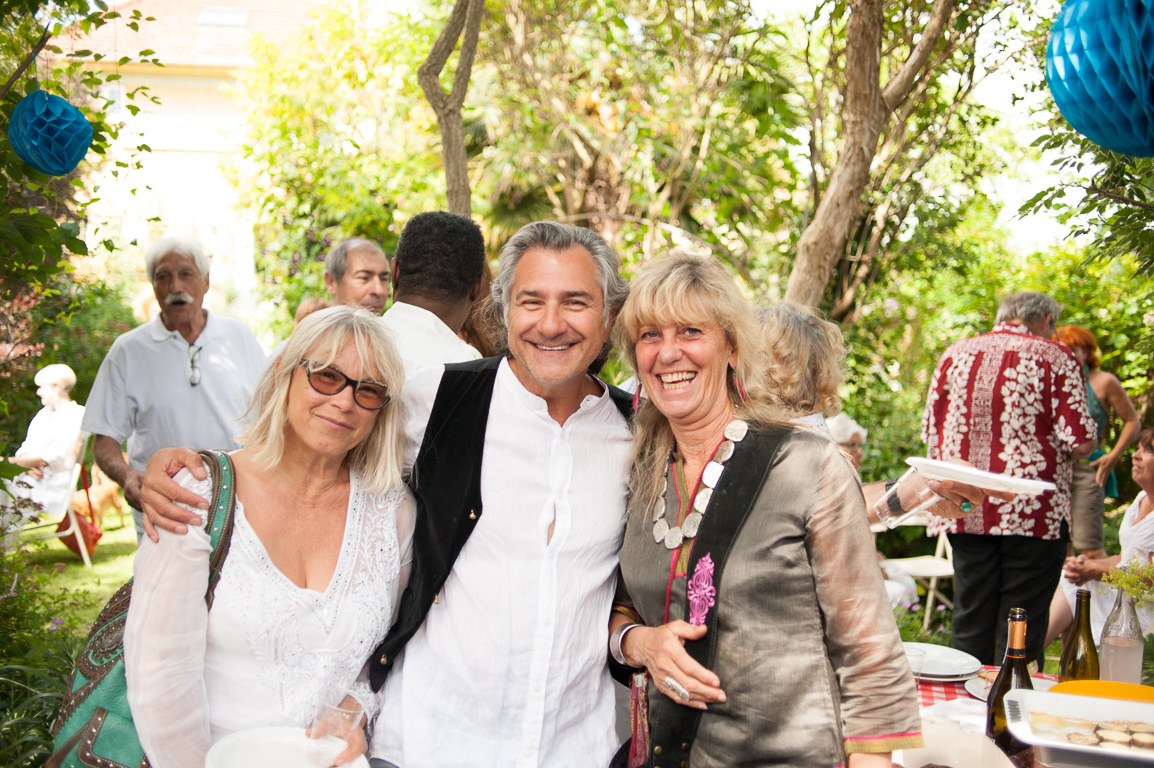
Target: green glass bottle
1012,675
1079,655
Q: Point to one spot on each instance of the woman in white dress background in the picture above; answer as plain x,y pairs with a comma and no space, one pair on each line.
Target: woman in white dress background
1136,536
318,557
48,453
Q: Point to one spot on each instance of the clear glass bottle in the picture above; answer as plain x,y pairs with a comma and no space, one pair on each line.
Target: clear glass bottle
1079,654
1120,655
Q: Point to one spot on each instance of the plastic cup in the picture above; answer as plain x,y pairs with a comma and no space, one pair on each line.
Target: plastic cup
908,496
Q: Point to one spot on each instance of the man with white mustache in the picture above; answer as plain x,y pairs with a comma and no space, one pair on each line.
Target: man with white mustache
183,378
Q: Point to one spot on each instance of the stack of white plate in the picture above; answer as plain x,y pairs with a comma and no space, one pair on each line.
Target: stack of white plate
945,665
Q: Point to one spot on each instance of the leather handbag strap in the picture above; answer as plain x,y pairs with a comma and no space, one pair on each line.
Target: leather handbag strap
220,514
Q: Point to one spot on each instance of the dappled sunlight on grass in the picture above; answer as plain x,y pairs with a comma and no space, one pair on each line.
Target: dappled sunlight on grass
111,566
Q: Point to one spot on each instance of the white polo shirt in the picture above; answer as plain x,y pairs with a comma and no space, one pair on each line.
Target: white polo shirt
422,339
143,393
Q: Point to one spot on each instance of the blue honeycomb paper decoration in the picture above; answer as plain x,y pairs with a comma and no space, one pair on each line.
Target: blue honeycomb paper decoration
1099,64
49,134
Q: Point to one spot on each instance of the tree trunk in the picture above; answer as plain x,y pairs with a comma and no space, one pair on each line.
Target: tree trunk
465,17
866,109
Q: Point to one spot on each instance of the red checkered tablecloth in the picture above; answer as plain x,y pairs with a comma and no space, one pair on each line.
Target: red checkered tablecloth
930,693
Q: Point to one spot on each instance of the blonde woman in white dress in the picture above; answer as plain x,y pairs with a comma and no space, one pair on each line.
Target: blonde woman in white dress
317,561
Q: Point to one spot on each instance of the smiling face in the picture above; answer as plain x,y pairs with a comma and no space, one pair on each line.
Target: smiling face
556,320
331,425
365,282
684,368
179,288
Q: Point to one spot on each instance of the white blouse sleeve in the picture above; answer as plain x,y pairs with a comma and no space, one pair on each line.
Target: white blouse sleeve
406,523
164,644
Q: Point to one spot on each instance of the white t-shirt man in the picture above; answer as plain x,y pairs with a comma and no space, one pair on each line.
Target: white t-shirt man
144,392
423,340
509,666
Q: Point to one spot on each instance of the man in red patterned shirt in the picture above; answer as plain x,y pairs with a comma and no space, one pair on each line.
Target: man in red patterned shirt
1013,402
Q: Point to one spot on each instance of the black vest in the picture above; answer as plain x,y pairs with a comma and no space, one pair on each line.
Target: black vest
446,485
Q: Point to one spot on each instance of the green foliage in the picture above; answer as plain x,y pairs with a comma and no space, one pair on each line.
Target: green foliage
910,625
40,215
342,145
651,126
1102,195
30,694
32,611
77,324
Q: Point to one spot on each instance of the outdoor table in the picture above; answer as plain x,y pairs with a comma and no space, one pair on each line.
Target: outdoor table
931,692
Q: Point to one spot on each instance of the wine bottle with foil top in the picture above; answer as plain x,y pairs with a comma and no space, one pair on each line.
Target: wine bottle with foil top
1013,674
1079,654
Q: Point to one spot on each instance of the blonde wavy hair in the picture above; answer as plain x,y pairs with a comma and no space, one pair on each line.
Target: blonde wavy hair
684,289
805,354
321,337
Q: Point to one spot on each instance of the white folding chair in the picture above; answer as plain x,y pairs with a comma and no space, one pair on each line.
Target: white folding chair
927,570
73,528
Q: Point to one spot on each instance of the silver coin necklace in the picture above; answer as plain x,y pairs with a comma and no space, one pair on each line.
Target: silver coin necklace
673,536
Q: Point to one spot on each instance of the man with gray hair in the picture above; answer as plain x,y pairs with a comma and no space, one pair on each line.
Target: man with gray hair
183,378
357,273
518,467
1009,401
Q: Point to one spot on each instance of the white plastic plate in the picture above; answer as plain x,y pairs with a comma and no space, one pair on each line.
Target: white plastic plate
275,747
944,664
979,687
1049,740
990,481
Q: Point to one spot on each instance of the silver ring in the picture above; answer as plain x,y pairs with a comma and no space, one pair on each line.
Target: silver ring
677,688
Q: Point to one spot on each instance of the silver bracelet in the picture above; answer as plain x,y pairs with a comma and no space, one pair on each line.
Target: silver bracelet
615,641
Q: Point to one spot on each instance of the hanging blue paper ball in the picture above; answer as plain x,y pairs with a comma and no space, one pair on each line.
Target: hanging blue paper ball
1099,65
49,134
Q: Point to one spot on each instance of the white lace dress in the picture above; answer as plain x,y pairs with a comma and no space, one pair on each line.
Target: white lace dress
268,651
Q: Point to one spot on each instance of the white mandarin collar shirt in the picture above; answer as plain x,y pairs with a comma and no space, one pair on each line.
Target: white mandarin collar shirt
509,667
422,339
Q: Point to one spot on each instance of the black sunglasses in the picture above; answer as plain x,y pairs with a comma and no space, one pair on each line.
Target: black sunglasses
370,395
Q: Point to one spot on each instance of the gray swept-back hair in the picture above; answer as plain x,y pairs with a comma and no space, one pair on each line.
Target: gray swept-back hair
337,259
555,236
1027,305
189,247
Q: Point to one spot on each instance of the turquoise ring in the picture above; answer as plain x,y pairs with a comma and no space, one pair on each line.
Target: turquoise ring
967,506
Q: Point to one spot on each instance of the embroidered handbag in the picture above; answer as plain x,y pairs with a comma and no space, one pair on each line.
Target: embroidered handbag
94,727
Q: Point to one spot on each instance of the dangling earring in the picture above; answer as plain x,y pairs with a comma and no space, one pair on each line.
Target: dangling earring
637,396
740,389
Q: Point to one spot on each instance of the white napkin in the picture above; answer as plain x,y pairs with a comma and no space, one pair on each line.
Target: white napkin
969,713
947,744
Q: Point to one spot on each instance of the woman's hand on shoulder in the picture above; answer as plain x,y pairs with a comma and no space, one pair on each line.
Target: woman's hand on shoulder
159,492
661,650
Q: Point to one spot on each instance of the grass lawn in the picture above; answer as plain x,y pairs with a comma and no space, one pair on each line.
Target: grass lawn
111,566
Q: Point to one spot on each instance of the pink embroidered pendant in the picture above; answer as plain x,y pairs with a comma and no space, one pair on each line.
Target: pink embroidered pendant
700,591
